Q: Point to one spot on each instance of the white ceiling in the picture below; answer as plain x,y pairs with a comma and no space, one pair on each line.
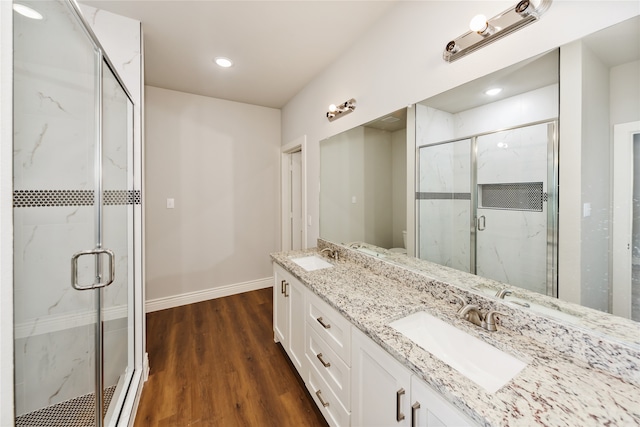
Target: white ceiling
277,46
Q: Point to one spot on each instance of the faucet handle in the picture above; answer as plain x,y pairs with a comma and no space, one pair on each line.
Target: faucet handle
503,293
460,300
489,322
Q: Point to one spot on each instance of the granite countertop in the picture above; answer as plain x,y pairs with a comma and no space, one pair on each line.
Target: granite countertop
554,389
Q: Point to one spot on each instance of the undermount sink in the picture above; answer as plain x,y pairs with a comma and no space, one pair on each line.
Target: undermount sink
482,363
370,252
312,262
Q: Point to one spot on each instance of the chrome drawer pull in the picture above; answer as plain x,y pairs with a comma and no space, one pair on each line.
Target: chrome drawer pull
414,413
325,364
399,415
324,404
324,325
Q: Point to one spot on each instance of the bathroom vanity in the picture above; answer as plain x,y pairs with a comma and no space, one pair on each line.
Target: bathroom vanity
381,344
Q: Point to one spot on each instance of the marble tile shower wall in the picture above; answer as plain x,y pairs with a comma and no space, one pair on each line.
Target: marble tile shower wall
445,169
54,152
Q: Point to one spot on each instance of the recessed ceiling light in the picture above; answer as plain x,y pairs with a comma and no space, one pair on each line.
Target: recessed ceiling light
223,62
27,11
494,91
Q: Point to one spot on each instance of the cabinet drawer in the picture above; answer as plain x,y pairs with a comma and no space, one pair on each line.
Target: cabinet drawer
329,365
334,329
329,404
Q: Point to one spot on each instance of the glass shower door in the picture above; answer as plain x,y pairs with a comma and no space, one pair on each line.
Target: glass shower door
512,214
55,129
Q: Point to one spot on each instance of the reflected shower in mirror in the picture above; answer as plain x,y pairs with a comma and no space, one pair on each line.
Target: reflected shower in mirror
474,156
486,187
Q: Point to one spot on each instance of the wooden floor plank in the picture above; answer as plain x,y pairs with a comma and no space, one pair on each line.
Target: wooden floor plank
214,363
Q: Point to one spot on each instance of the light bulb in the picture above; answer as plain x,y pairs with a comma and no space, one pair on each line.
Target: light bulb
333,108
27,11
493,91
478,23
223,62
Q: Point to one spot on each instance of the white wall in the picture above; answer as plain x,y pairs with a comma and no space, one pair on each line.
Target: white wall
624,83
399,62
364,178
399,186
595,182
220,162
377,187
342,220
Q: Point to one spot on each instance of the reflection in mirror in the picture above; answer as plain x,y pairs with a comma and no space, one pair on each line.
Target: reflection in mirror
598,102
487,173
363,175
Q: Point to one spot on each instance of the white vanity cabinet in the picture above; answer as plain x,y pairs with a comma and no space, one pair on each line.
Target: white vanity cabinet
328,352
385,393
380,386
288,316
353,380
430,409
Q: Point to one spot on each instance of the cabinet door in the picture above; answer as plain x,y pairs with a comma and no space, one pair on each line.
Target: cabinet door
380,386
295,299
430,409
280,307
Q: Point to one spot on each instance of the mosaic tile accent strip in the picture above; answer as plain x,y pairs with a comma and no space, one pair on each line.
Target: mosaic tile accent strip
520,196
50,198
78,412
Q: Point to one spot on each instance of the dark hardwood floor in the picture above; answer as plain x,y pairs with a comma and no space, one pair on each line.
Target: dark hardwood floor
215,363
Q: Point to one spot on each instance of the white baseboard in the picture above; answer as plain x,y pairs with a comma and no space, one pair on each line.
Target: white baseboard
145,368
206,294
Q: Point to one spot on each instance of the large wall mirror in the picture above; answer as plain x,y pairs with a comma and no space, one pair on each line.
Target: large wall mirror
487,173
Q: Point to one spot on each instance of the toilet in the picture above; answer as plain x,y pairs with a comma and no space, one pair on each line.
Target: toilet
403,249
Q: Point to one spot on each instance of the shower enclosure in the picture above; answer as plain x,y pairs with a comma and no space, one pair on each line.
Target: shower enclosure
74,204
487,205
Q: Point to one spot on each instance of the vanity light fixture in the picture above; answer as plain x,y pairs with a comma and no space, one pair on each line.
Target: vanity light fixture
337,111
484,31
27,11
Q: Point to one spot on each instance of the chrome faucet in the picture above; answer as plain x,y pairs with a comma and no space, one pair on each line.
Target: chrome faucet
471,312
503,293
489,322
332,253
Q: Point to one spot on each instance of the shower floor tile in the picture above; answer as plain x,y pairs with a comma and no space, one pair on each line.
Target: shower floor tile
78,412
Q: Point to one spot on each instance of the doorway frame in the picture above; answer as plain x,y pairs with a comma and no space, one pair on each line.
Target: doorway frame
298,144
622,219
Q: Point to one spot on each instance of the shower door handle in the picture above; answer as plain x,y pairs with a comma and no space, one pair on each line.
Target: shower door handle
482,223
99,284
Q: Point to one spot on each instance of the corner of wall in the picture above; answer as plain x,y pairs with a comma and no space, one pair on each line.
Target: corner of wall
6,214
